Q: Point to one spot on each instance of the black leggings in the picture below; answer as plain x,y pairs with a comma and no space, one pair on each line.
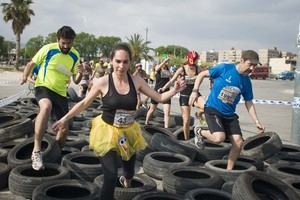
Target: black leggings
110,171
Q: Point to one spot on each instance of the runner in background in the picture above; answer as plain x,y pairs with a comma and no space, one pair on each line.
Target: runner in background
189,72
230,82
162,76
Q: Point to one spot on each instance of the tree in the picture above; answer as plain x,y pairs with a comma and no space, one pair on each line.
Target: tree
51,38
19,12
33,45
176,51
3,48
106,43
86,44
140,48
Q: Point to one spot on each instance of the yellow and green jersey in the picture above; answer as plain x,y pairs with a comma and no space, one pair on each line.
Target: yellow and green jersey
56,68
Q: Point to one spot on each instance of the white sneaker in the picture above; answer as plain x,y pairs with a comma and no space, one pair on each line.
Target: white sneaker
37,160
199,142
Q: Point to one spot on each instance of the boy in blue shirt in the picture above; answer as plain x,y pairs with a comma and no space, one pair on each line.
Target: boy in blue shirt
230,82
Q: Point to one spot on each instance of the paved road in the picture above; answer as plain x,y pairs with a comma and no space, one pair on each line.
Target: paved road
276,118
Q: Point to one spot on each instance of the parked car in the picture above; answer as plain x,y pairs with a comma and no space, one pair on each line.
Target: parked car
260,73
286,75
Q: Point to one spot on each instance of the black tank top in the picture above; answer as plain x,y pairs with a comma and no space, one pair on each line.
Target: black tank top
162,76
190,81
113,101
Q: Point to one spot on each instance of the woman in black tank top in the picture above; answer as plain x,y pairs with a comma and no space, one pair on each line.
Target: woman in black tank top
115,132
162,76
189,72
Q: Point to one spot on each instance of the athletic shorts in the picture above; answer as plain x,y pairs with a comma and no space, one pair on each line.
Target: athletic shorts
184,99
218,123
59,103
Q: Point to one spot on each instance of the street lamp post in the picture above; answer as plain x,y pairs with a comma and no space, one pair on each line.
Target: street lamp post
295,137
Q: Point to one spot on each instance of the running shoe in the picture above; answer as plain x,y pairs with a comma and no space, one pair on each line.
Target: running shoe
37,160
199,142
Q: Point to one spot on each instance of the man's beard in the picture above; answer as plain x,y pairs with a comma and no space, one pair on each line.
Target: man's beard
65,50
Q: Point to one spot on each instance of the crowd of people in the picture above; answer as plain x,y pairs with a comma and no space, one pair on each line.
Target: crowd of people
115,132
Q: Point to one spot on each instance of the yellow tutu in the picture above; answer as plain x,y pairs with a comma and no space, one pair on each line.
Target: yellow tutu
125,141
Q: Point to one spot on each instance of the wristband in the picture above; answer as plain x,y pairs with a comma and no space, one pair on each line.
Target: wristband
256,121
195,90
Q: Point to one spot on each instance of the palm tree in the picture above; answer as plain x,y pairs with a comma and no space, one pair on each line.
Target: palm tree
140,48
19,12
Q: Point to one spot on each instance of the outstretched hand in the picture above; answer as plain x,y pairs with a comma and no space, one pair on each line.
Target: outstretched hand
60,125
260,127
180,84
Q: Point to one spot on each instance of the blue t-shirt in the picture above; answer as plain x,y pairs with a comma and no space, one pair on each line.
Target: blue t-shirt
228,86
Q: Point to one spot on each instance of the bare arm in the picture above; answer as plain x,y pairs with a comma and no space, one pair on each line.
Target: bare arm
252,112
80,106
144,88
27,72
198,81
78,76
172,80
158,67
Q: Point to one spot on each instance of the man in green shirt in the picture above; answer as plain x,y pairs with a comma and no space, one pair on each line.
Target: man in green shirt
58,62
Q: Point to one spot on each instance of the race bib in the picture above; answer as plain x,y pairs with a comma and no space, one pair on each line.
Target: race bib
165,74
123,118
228,94
189,80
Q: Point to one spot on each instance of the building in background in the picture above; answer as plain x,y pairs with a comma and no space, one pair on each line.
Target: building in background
278,65
210,56
233,55
266,54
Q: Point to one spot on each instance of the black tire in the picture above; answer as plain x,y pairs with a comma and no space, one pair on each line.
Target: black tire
294,183
179,121
156,164
66,189
4,172
214,151
180,180
259,185
67,150
284,170
141,113
161,142
158,196
259,164
83,165
140,155
3,155
228,186
179,135
23,179
219,166
7,119
149,130
75,142
207,193
21,153
262,146
73,97
20,128
139,184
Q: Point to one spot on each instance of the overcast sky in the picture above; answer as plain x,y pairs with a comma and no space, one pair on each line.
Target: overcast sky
194,24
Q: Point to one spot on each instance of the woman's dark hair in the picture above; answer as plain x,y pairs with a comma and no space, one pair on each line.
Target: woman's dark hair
66,32
120,46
